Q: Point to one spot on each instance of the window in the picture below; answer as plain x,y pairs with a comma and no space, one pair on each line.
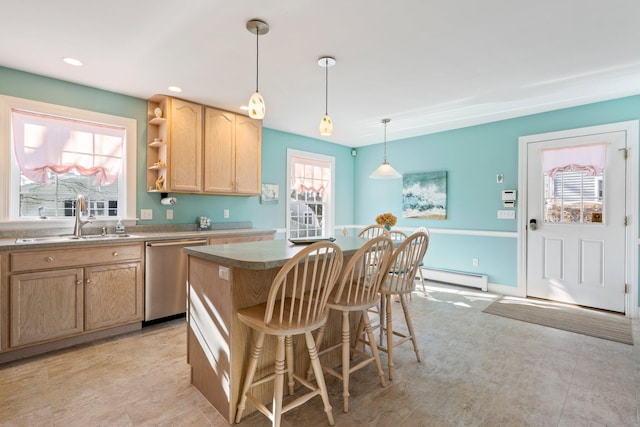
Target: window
54,153
573,183
310,189
573,197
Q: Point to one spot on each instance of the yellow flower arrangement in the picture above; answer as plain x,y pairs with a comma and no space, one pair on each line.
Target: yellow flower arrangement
387,219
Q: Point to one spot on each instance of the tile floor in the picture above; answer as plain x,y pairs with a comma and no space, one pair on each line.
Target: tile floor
477,370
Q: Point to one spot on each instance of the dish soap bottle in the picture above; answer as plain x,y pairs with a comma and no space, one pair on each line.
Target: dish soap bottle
119,226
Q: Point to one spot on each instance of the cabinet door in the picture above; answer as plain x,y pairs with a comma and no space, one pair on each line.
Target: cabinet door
113,295
248,156
219,150
185,139
45,306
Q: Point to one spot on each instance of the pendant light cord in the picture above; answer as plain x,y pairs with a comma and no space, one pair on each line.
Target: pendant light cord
257,54
385,141
326,86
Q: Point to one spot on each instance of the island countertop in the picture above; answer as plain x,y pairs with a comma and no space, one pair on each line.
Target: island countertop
263,255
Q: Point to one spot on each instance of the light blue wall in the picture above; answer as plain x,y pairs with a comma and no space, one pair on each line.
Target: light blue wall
190,206
472,157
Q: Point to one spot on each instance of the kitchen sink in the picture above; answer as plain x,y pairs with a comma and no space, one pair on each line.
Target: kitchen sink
67,238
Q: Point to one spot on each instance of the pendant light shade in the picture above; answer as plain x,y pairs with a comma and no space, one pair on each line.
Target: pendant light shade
256,104
326,124
385,171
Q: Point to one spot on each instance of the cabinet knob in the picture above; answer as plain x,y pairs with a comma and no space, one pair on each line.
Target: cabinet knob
88,282
78,282
115,254
49,259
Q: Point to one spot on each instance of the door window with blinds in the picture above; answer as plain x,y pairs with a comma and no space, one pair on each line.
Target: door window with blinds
573,184
310,188
60,157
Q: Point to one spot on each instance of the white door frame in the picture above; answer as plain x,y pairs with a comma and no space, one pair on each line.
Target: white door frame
631,201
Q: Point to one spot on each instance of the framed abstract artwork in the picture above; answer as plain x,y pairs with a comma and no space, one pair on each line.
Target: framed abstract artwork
424,195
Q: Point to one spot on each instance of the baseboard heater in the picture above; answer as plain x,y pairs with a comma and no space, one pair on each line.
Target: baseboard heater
457,277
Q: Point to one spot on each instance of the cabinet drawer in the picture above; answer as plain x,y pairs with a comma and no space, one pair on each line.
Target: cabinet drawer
57,258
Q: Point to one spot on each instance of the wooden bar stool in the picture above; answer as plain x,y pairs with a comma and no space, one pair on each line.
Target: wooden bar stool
400,281
296,305
357,291
371,231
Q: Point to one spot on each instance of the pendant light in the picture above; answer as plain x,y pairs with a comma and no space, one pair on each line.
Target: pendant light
256,103
326,124
385,171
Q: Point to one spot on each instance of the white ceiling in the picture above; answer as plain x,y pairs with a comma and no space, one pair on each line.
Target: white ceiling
428,65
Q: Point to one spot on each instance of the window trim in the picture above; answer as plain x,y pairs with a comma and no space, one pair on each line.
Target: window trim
330,216
9,185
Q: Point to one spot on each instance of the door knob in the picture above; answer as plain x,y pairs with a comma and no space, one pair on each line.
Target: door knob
533,224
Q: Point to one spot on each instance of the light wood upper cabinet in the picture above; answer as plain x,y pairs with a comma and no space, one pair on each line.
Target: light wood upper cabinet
185,143
248,156
200,149
232,153
219,151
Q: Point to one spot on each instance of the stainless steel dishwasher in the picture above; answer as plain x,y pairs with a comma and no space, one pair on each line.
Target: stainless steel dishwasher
165,280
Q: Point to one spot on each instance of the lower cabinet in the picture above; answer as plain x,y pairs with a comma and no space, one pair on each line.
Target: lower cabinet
45,305
94,288
113,295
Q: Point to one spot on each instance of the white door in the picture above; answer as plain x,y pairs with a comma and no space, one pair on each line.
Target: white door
576,248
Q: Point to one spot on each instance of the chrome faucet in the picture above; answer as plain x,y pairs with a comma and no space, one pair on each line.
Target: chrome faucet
81,206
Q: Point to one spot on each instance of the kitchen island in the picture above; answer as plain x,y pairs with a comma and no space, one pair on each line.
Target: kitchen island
222,280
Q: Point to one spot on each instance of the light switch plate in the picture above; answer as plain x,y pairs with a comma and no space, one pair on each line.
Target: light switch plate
169,213
506,214
146,213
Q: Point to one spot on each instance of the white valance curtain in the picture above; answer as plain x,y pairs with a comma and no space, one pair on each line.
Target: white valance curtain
45,143
309,175
588,158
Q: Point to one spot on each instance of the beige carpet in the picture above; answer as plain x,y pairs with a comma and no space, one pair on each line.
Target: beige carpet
609,326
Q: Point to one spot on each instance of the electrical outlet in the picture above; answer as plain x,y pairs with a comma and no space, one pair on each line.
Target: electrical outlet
223,273
146,213
476,262
169,213
226,213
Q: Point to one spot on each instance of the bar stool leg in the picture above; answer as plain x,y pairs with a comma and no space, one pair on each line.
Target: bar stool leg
381,313
389,330
346,358
278,382
319,338
251,371
407,318
374,347
317,371
290,363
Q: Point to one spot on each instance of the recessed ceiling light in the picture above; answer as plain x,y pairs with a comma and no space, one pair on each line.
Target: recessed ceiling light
175,89
72,61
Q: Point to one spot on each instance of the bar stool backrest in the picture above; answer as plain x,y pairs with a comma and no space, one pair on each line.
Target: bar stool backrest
397,235
299,292
404,263
371,231
363,274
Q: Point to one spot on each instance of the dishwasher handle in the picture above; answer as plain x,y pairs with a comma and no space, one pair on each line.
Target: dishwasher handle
177,243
